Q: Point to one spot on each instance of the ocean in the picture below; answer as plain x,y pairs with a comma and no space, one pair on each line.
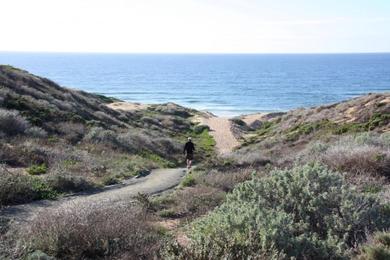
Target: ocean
224,84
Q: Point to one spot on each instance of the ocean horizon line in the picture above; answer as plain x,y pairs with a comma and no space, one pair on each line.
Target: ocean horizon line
193,53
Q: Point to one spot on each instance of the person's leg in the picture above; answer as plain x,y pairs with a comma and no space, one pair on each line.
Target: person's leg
189,164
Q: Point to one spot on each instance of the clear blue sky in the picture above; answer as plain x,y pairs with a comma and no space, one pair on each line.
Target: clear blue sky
196,26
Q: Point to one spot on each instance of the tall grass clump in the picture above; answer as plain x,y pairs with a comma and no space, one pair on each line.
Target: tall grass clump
307,212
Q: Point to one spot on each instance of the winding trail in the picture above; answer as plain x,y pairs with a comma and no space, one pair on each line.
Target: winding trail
156,182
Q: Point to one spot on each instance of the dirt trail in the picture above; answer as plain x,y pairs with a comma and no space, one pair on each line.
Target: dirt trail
220,126
222,133
156,182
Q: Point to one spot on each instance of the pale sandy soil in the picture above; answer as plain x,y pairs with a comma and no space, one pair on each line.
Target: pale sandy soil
249,119
156,182
221,132
127,106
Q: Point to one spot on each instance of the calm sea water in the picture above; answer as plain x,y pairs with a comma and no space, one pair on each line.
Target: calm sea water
223,84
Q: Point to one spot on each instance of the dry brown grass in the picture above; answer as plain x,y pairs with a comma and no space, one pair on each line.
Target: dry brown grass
226,180
97,231
198,200
358,160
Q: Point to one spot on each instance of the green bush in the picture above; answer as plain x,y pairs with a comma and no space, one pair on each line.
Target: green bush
198,129
63,182
37,169
188,181
17,188
307,212
42,190
110,180
167,213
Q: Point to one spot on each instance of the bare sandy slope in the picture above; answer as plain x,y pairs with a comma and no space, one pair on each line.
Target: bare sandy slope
127,106
249,119
221,132
156,182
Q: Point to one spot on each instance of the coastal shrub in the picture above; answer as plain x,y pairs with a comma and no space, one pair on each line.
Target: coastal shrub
135,141
361,154
358,160
65,182
101,135
249,158
377,247
36,132
11,123
198,200
32,152
225,180
91,231
307,212
198,129
37,169
73,132
140,142
110,179
18,188
188,181
9,155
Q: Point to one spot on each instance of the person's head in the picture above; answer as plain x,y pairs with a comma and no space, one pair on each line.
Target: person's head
189,139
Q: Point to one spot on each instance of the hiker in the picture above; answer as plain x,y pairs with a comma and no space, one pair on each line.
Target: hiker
189,149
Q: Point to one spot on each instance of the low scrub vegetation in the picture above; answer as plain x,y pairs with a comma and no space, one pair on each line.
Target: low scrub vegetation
329,202
37,169
366,154
20,188
73,142
11,123
307,212
97,231
377,247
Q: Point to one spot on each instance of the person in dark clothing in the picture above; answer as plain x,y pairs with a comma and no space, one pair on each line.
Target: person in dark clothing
189,149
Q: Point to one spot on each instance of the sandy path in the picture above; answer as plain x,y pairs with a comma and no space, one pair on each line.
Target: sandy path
157,181
220,126
221,132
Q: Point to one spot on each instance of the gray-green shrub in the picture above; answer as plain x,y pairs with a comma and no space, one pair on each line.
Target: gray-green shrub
18,188
36,132
65,182
307,212
101,135
11,123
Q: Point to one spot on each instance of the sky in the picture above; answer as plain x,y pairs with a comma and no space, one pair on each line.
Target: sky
195,26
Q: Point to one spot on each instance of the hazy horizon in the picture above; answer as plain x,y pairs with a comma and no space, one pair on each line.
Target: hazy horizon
197,53
196,26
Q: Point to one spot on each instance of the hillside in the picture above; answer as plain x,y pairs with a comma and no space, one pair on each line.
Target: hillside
64,140
282,135
310,183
